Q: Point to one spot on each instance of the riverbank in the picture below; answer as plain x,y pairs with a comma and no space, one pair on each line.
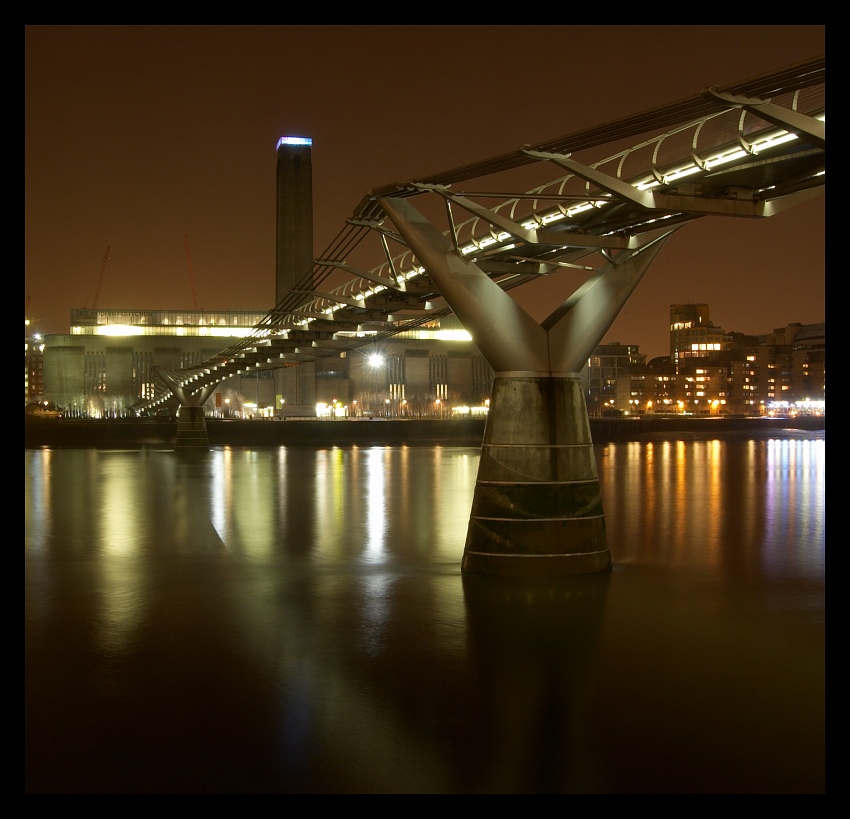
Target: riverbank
161,432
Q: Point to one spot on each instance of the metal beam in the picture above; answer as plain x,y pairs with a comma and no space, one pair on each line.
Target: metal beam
361,274
812,129
731,207
616,187
489,216
568,238
334,297
372,225
297,314
332,344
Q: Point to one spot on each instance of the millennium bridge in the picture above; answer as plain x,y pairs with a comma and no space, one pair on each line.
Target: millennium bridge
459,241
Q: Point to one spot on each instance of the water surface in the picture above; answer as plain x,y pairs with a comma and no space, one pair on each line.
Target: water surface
294,620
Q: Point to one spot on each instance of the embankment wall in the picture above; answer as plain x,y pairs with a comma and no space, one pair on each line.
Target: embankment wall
161,432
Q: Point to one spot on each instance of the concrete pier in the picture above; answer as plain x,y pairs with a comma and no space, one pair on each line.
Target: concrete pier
192,434
537,508
191,422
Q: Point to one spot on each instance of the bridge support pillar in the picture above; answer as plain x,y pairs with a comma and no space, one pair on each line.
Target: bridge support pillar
192,434
537,506
192,437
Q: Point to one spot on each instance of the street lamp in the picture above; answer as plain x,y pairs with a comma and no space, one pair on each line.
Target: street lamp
376,362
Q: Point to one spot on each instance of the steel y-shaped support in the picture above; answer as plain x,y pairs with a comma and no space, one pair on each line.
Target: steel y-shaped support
537,507
191,425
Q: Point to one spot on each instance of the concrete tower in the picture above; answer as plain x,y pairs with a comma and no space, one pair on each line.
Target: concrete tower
294,247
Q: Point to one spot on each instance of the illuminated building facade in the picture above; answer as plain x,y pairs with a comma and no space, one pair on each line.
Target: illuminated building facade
711,372
104,366
33,365
714,372
692,335
615,380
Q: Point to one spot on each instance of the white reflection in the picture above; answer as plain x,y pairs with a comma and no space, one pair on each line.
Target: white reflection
329,510
244,493
219,494
453,492
375,487
252,511
38,517
122,525
38,498
120,518
375,612
795,504
280,503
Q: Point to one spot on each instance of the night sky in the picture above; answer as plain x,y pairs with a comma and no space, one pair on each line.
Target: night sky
138,135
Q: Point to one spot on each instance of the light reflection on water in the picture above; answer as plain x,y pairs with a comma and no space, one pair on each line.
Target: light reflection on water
339,503
294,620
706,504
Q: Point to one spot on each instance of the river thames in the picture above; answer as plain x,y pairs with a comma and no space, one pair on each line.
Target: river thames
293,619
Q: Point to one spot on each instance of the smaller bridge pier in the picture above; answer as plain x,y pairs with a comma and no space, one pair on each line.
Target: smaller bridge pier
192,437
191,430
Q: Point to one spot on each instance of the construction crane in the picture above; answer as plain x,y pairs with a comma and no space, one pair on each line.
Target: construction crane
191,276
99,281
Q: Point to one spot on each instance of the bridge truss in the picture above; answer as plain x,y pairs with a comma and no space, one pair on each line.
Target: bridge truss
748,150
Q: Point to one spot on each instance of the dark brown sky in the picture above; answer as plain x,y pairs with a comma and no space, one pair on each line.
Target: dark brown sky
137,135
